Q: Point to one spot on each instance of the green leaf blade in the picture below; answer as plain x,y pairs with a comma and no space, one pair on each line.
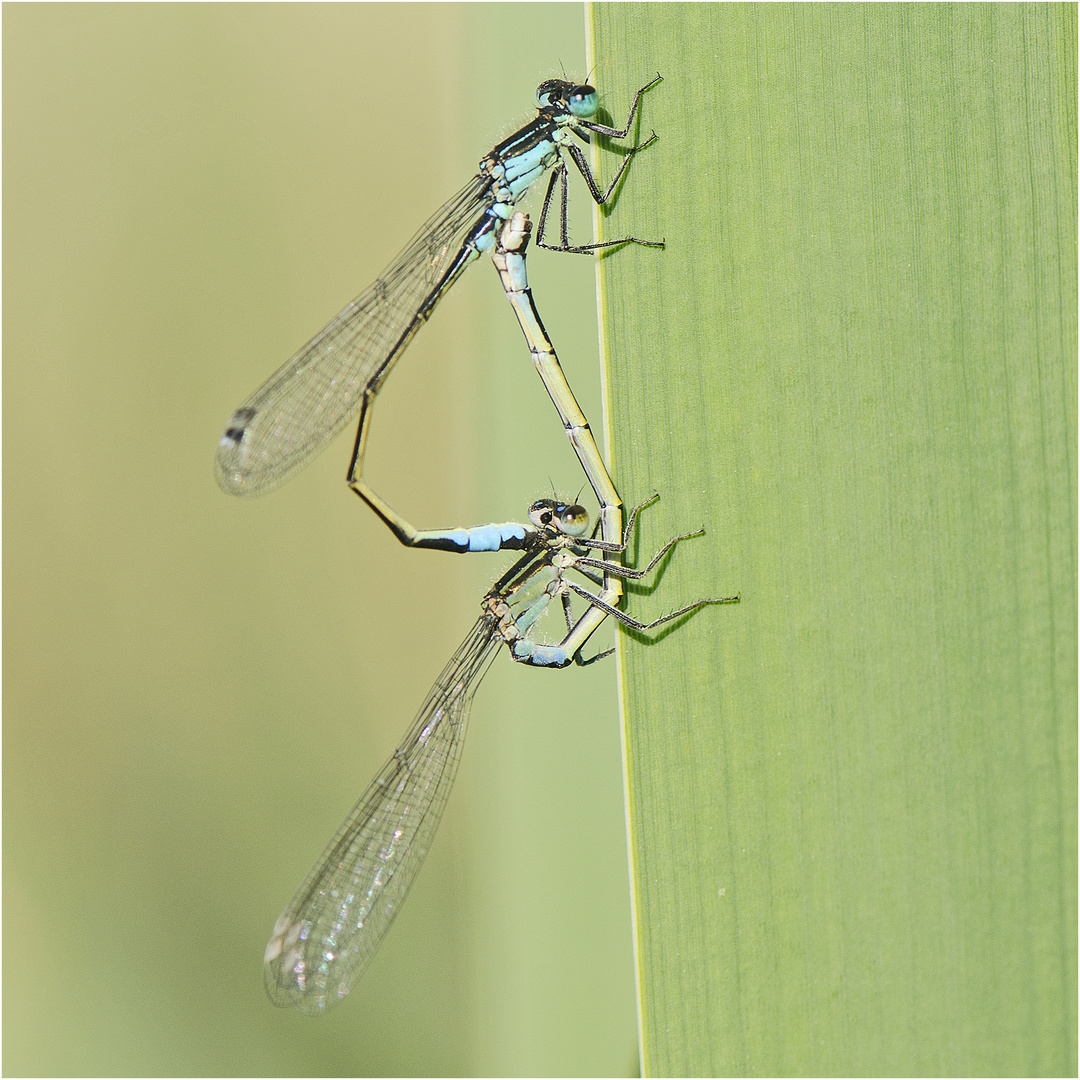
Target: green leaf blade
853,795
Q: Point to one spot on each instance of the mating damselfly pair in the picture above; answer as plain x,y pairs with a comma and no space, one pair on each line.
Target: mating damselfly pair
325,938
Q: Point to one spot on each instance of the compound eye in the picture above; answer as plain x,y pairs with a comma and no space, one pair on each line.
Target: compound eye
583,101
573,520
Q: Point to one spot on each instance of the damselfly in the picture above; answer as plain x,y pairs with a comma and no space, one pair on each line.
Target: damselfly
333,926
337,374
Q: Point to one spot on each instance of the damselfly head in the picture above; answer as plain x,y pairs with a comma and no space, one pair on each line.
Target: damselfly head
559,96
569,519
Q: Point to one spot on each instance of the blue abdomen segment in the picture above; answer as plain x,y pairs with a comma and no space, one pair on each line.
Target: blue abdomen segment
529,652
494,537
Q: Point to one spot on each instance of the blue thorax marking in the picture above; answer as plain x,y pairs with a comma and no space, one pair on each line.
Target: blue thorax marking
527,163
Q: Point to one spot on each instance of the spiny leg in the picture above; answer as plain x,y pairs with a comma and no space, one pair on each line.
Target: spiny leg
614,133
607,545
637,575
634,624
559,175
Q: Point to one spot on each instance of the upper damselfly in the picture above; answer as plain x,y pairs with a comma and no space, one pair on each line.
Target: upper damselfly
325,938
321,389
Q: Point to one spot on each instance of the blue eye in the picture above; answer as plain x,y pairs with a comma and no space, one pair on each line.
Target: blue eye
583,101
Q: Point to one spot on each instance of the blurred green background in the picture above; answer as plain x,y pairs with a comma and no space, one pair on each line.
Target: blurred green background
197,688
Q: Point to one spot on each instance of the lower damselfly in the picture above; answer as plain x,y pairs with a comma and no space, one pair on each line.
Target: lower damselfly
323,387
327,936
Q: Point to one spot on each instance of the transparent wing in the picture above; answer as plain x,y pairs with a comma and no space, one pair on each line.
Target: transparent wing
307,402
328,934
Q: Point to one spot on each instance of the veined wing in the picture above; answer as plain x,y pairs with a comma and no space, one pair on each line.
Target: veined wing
327,935
307,402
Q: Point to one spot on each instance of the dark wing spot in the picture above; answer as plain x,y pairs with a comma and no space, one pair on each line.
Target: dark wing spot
239,423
